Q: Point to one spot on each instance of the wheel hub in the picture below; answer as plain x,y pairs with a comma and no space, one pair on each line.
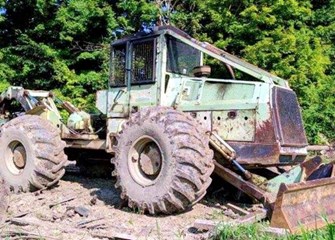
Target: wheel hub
19,157
15,157
150,159
145,160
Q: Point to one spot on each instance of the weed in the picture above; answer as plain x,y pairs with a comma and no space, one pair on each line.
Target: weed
241,232
254,231
179,235
158,230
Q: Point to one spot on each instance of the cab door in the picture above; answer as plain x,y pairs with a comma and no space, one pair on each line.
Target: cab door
143,84
118,94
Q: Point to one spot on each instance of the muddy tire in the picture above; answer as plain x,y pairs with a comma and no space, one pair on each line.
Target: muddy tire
31,154
163,161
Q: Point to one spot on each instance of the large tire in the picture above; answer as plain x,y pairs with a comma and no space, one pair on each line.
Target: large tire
31,154
162,161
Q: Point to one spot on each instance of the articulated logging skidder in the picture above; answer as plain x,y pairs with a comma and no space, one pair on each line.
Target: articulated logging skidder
167,123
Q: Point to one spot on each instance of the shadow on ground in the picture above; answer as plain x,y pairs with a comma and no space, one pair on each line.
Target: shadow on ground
103,189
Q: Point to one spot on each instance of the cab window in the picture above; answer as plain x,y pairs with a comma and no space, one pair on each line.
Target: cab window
118,66
181,58
143,62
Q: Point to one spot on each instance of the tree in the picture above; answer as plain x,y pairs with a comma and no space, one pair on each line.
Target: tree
63,45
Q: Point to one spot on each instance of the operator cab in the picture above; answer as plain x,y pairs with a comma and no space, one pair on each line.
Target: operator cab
146,69
143,53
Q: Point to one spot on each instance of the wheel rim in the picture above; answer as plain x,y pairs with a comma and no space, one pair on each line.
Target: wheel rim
15,157
145,160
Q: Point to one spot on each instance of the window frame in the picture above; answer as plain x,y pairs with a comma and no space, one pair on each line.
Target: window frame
173,38
112,65
154,40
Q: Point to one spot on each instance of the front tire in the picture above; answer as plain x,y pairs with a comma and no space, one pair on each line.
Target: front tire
31,154
163,161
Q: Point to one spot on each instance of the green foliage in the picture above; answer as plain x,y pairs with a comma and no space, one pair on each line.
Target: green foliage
49,44
63,45
133,14
256,231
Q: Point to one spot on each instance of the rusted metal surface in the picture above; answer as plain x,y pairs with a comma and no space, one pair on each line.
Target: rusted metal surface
320,148
86,144
256,154
305,205
288,117
280,139
308,167
265,132
296,203
78,136
237,181
263,154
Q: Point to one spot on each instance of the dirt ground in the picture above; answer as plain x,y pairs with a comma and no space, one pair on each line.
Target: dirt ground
90,208
86,208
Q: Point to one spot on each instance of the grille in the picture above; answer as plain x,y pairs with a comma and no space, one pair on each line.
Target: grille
143,62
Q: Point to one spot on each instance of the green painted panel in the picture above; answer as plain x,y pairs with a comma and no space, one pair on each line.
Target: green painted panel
216,105
101,101
292,176
227,91
118,102
191,90
143,95
235,125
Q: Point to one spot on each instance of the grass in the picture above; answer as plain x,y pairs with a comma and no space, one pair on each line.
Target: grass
254,231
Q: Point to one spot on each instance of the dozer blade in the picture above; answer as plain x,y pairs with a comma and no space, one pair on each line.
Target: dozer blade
305,205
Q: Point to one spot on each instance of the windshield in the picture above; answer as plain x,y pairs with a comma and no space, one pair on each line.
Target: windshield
181,58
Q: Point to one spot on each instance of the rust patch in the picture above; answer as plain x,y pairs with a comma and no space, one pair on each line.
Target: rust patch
265,132
308,167
288,117
256,154
303,206
247,187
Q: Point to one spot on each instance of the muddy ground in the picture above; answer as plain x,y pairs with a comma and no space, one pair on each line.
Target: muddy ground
86,208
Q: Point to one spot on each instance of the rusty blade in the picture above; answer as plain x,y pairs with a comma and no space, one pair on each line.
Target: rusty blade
305,205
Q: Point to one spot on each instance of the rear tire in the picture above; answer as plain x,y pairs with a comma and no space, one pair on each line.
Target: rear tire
31,154
163,161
